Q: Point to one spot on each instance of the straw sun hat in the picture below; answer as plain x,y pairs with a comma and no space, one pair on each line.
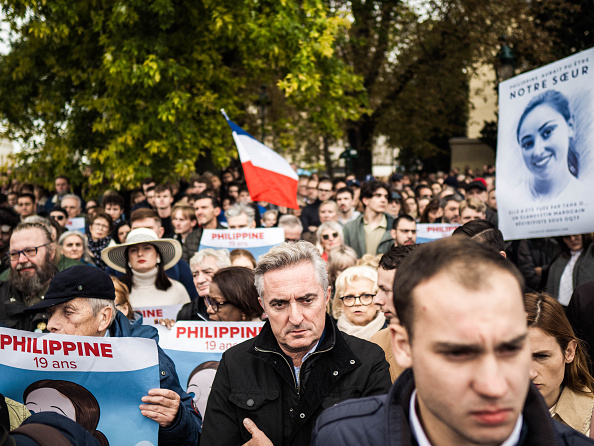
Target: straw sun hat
170,249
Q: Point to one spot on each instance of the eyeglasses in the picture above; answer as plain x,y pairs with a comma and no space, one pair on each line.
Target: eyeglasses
27,252
327,236
57,217
365,299
324,190
216,306
100,226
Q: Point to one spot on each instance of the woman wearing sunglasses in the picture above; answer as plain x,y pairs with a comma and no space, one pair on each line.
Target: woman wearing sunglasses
329,236
353,305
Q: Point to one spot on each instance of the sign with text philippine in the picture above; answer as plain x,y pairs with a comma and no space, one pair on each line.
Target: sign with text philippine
97,382
427,232
196,349
545,170
257,241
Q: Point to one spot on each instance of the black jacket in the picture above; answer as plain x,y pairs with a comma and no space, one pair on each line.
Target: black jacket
256,380
12,310
580,313
385,420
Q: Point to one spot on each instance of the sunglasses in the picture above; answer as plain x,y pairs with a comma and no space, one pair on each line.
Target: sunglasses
58,217
327,236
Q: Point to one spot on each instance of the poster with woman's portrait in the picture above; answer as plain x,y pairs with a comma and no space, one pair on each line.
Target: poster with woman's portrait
97,382
545,150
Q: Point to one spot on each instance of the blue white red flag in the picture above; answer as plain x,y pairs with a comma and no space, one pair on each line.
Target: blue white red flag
268,175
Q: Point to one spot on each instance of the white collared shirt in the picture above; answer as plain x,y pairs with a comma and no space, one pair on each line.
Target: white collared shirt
422,439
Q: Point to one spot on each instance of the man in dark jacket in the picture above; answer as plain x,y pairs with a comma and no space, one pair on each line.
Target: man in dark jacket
463,334
32,265
272,388
80,301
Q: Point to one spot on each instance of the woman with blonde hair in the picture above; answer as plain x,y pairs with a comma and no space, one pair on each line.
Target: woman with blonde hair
353,305
559,363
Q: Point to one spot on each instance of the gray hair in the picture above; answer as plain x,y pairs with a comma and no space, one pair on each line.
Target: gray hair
76,197
239,208
289,221
220,255
452,197
87,256
98,304
330,225
290,254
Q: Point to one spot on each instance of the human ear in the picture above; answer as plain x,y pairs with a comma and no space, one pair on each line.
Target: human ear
570,351
401,345
104,318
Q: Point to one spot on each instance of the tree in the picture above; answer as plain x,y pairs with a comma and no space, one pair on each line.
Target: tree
122,90
416,59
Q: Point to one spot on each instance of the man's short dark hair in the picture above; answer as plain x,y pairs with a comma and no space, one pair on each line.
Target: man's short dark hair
484,232
421,187
346,190
162,188
371,187
148,180
8,216
394,257
114,200
398,219
63,177
142,213
213,200
452,197
28,195
466,261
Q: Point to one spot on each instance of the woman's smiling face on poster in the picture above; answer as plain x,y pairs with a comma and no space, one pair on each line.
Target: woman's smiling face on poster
544,139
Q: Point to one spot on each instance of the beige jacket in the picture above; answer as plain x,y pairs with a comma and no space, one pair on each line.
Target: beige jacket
17,413
574,409
384,340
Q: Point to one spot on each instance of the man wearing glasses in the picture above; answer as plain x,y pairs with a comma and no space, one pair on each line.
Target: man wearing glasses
32,265
272,388
370,232
60,215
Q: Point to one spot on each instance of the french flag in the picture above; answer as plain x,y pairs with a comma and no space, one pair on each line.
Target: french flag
268,175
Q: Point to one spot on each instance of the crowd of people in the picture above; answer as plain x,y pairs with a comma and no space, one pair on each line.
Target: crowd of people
367,335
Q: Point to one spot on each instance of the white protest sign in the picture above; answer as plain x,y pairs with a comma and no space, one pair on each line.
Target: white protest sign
96,381
545,170
257,241
427,232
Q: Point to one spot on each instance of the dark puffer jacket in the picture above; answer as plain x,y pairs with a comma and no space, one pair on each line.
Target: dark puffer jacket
385,420
256,380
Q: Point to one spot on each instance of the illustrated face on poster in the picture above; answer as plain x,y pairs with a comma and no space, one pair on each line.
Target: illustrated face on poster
67,398
545,165
200,383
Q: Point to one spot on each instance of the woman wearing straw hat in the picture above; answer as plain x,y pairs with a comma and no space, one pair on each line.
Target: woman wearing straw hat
144,258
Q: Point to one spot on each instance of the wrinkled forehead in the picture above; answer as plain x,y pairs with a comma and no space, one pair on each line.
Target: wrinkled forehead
27,238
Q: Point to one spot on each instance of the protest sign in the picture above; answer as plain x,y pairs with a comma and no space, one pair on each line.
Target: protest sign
76,224
98,382
257,241
152,315
427,232
196,349
544,157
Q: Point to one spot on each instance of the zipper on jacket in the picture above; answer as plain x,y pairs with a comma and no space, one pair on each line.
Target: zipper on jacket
297,386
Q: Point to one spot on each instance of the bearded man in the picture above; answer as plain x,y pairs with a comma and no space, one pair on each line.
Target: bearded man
32,265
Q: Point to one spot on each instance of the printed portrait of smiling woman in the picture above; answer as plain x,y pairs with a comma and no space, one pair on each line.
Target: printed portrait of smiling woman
546,135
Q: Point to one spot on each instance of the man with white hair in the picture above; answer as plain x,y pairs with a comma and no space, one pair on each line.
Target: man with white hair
241,216
271,389
292,227
72,204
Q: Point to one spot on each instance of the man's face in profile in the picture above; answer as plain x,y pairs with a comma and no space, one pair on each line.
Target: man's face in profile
470,357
